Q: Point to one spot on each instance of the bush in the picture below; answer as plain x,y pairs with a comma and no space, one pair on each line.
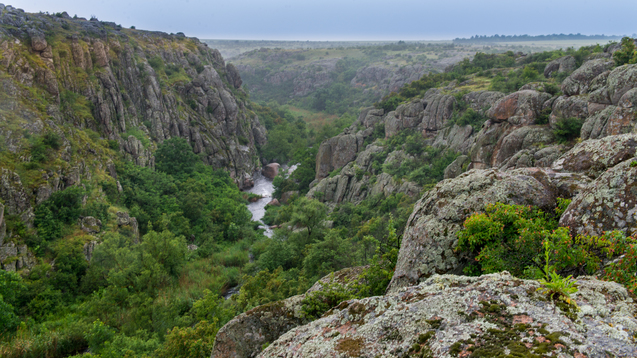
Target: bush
567,129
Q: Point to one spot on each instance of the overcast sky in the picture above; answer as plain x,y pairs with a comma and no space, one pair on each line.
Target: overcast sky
354,19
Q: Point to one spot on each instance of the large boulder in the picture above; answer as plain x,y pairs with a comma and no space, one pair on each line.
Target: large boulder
438,109
621,80
481,100
569,107
246,335
612,120
580,80
609,203
369,116
430,234
519,108
494,315
336,152
407,115
562,64
271,170
594,156
519,139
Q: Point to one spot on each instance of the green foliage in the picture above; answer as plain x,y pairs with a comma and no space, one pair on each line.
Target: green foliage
469,117
554,285
156,63
627,53
11,286
270,286
176,157
381,269
528,243
567,129
63,207
315,304
137,133
43,147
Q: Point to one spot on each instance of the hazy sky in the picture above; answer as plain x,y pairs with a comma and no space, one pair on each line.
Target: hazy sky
354,19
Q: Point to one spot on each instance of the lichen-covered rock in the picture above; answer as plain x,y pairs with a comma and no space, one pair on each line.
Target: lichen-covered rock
430,234
594,156
569,107
456,167
486,144
609,203
488,316
580,80
481,100
612,120
456,138
233,76
518,108
245,335
12,192
522,138
621,80
562,64
369,116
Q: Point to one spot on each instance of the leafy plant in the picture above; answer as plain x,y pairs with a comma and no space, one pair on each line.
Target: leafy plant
554,285
567,129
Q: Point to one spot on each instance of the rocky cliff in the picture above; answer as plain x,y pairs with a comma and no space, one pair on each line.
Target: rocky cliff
78,95
96,75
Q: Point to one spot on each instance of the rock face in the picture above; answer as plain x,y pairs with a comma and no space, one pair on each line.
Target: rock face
580,80
124,92
430,234
609,203
335,152
271,170
245,335
562,64
488,316
519,108
594,156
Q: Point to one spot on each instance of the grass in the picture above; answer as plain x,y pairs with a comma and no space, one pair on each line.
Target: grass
314,119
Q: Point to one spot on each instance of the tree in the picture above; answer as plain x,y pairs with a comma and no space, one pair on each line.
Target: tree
309,214
176,157
10,287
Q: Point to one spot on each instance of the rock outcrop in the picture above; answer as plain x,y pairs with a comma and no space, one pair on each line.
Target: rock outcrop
580,80
594,156
608,203
562,64
114,81
519,108
430,234
492,315
246,335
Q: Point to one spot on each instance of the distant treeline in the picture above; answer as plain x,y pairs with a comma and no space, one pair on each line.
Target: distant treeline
516,38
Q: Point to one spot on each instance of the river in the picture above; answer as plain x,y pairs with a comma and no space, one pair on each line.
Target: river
264,187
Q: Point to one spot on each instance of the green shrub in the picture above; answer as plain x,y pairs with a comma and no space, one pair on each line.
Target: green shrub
567,129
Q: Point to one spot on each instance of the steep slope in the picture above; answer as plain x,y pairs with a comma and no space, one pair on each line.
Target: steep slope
118,82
